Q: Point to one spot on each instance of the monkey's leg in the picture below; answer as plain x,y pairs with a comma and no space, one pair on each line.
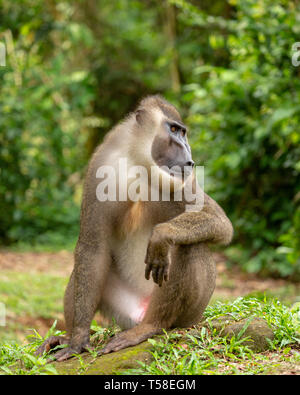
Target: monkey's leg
54,341
180,301
82,297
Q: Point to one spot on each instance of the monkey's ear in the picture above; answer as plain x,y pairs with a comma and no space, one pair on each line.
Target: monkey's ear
140,116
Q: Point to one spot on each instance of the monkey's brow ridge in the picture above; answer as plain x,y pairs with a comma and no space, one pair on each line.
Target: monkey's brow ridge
171,113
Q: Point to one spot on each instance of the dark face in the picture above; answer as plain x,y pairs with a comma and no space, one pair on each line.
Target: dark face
170,148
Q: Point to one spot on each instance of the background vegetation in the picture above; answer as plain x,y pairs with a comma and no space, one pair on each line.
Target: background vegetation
74,68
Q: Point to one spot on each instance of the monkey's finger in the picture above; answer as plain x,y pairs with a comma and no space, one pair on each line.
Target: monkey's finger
64,357
112,345
64,354
166,273
45,347
120,342
155,270
161,276
148,271
50,343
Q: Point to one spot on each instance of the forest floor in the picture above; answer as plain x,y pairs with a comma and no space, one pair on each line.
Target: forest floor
39,279
32,286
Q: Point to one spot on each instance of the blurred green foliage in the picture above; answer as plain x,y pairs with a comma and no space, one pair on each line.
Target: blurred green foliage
74,68
247,115
42,107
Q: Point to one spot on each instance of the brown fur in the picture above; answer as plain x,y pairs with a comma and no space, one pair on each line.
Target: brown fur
158,101
133,218
116,238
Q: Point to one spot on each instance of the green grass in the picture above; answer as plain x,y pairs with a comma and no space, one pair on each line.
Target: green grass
199,352
20,360
209,353
34,295
284,321
29,295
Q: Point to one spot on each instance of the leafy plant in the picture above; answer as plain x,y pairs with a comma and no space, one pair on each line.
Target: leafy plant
206,352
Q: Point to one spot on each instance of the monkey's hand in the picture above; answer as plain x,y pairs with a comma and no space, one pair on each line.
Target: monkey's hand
157,259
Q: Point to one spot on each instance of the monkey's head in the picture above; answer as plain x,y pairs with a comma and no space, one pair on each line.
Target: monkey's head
165,136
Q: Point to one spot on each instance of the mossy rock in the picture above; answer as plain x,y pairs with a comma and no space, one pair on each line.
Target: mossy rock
115,362
255,329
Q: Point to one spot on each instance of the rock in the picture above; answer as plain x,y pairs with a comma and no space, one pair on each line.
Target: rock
255,328
112,363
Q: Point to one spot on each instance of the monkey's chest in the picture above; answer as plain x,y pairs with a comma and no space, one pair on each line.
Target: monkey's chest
130,246
129,260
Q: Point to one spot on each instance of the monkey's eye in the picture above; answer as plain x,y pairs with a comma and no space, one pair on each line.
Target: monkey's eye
175,128
178,129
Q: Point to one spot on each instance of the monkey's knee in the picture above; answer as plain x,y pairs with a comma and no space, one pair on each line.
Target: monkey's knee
192,260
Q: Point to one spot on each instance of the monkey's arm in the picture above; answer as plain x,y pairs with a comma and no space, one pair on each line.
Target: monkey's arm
210,224
207,225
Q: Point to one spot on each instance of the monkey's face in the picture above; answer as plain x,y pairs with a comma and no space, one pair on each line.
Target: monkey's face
170,149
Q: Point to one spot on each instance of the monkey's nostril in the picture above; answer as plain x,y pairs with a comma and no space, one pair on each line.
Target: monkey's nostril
190,163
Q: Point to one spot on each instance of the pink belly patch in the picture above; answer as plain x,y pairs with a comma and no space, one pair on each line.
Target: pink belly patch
138,313
124,301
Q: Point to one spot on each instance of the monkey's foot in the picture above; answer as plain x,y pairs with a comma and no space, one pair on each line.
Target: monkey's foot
51,343
67,353
54,341
130,337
